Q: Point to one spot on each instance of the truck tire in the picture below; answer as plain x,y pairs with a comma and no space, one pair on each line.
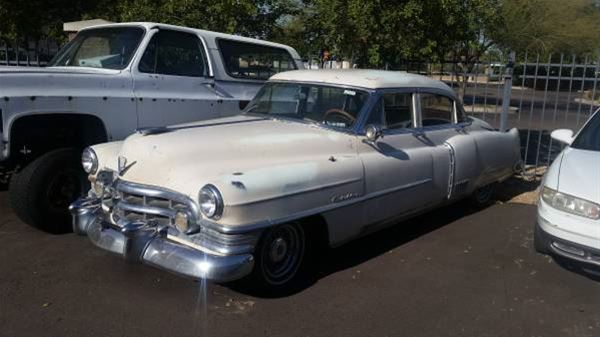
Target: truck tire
40,194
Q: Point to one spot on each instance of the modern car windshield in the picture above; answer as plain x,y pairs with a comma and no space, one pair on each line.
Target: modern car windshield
589,137
109,48
327,105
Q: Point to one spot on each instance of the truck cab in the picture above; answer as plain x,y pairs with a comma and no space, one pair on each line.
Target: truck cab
105,84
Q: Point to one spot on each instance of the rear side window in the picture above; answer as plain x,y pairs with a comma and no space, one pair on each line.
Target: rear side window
254,61
436,109
174,53
393,111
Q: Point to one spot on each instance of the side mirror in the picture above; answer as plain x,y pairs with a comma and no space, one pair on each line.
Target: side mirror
563,136
373,133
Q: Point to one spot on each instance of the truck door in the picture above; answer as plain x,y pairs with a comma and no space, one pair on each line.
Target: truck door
172,82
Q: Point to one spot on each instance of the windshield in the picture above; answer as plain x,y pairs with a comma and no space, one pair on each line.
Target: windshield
109,48
589,137
327,105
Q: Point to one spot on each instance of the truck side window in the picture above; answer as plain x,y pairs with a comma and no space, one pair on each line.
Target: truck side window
254,61
174,53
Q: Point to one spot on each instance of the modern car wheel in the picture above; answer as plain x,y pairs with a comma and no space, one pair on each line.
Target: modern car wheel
40,194
280,256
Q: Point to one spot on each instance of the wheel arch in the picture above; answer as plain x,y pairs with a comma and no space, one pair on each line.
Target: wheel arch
49,131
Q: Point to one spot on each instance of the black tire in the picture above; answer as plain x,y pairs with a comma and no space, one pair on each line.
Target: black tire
281,257
40,194
483,196
541,242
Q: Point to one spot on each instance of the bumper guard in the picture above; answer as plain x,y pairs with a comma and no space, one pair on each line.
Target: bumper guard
139,242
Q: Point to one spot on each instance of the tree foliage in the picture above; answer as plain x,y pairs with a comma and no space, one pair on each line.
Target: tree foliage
549,26
371,33
256,18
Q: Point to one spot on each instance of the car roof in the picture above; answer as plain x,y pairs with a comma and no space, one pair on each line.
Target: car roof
205,33
364,78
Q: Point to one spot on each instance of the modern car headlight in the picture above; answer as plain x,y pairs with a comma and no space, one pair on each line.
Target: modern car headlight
570,204
211,202
89,161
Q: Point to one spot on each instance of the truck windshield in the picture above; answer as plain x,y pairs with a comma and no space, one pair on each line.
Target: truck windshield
327,105
589,137
109,48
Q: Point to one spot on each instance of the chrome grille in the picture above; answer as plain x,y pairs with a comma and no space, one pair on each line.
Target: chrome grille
137,202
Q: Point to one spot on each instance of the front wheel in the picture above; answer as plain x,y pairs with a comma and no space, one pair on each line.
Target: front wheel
280,256
541,243
40,194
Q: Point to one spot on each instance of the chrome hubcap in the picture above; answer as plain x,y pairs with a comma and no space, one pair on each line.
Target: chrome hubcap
282,253
278,250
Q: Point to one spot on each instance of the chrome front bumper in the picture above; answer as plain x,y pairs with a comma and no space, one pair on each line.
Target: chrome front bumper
139,242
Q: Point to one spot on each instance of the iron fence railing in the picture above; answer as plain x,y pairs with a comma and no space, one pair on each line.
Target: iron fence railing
546,93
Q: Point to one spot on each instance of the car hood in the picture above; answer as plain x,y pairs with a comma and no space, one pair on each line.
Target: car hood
255,154
580,174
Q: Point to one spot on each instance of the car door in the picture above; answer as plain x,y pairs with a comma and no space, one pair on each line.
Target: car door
398,166
443,126
172,83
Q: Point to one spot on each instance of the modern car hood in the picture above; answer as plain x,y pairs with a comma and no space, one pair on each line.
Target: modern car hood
242,152
580,174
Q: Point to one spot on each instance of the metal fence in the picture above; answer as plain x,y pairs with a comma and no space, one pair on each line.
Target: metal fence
30,54
545,93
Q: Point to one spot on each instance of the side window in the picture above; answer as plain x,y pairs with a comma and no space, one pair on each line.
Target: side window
436,109
393,111
254,61
174,53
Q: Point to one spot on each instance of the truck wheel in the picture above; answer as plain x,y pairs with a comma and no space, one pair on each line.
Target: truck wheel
280,256
40,194
541,244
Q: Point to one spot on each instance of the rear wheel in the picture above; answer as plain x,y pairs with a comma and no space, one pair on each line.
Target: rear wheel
483,196
40,194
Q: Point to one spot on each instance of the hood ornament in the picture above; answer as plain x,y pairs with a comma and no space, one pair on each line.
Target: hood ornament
122,165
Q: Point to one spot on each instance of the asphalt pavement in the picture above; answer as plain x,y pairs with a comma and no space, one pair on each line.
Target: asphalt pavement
451,272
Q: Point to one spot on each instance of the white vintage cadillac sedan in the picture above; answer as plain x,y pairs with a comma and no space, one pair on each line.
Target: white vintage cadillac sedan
317,156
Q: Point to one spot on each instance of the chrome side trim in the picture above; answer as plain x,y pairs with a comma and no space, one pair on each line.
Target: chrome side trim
272,222
308,190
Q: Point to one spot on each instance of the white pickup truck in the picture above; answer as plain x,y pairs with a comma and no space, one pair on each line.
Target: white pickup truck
109,81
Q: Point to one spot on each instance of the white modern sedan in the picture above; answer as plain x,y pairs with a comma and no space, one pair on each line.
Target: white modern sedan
568,222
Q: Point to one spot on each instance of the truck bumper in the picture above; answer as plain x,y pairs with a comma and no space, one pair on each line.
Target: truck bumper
140,243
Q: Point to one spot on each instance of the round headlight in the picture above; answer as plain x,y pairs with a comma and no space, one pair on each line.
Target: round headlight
89,161
211,202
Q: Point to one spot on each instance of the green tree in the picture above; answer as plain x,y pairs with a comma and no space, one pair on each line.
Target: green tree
255,18
549,26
